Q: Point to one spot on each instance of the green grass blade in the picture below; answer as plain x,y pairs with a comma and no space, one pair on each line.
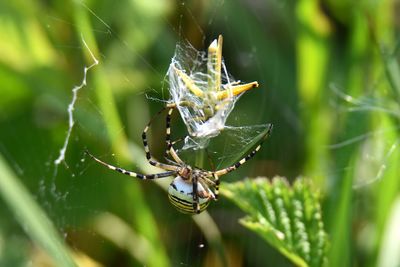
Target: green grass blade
142,217
388,252
287,217
392,70
312,49
31,217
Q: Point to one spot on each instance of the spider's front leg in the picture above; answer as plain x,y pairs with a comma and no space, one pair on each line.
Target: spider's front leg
132,173
170,149
149,157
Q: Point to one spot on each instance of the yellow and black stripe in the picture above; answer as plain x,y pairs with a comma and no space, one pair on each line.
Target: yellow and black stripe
147,150
186,206
248,157
131,173
170,151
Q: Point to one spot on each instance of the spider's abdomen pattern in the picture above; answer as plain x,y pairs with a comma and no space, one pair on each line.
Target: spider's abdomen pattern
180,194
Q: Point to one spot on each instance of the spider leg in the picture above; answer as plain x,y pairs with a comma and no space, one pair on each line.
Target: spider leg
167,152
216,186
209,183
207,192
196,204
170,149
150,159
248,157
131,173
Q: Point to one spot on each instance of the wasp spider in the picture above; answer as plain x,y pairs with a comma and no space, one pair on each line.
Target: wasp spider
193,188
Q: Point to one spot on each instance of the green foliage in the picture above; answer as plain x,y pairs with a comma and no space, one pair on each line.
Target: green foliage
32,218
288,217
329,82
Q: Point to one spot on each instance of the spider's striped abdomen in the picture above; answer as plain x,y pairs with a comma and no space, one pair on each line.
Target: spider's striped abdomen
180,194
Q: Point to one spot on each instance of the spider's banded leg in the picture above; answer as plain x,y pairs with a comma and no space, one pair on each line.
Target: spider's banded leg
206,178
147,150
196,204
248,157
216,181
168,129
214,184
131,173
172,144
211,185
207,193
170,149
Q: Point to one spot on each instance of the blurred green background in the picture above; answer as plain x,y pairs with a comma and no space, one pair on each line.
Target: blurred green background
330,84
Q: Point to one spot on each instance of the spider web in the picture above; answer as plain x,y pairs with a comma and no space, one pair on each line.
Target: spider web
65,187
80,192
375,149
194,64
71,107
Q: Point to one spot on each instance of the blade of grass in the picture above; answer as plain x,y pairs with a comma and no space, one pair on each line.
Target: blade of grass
339,205
388,252
387,188
212,234
340,223
122,235
142,216
312,47
31,217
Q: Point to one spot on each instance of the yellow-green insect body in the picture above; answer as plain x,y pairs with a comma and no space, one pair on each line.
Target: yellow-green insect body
202,89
